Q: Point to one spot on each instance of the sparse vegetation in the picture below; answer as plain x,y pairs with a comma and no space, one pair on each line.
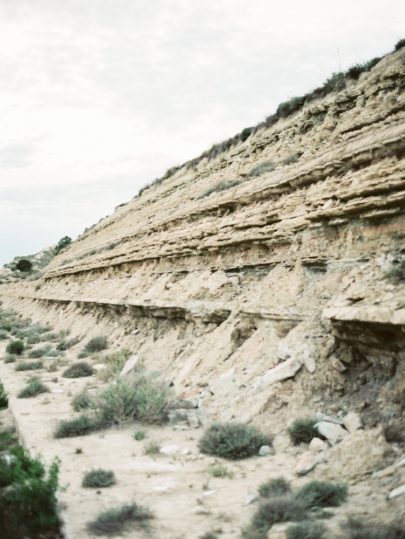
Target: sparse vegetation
219,470
80,369
3,334
356,529
96,344
82,401
10,358
303,430
98,479
262,168
114,364
39,352
139,435
15,347
3,397
400,44
33,388
275,487
79,426
232,440
24,265
152,448
8,439
118,519
306,530
317,494
28,505
218,187
140,398
29,365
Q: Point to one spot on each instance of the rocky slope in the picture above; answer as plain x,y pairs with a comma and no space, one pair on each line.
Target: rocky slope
267,281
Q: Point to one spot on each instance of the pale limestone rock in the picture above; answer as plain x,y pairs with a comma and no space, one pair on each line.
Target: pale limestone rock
399,491
265,450
170,449
352,422
331,431
316,445
307,462
130,365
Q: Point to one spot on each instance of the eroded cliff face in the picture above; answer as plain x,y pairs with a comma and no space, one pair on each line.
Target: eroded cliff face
266,279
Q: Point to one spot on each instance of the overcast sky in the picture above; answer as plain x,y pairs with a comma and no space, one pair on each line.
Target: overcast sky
98,97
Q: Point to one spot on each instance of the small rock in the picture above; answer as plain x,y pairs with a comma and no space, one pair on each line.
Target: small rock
169,449
331,431
317,445
399,491
208,493
251,498
352,422
400,463
319,416
130,365
307,463
265,450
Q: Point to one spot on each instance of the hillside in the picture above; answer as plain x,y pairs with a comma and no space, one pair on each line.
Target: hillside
264,283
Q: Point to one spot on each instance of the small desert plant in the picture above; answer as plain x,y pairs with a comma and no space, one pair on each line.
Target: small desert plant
15,347
96,344
65,344
33,388
275,487
306,530
8,439
78,370
277,509
219,470
140,398
118,519
232,440
290,159
357,529
79,426
98,479
39,352
10,358
317,494
139,435
220,186
400,44
114,364
3,334
303,430
82,401
152,448
29,365
262,168
3,397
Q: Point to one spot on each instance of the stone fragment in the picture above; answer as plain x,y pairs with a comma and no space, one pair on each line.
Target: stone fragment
307,462
399,491
282,371
319,416
352,422
130,365
251,498
317,445
265,450
331,431
170,449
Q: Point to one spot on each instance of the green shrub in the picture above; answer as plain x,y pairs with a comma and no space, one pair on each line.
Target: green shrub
322,494
62,244
277,509
98,479
3,334
303,430
139,435
3,397
28,506
223,185
232,440
15,347
78,370
97,344
39,352
152,448
117,520
10,358
306,530
275,487
114,364
24,265
140,398
79,426
219,470
29,365
262,168
8,439
33,388
357,529
66,344
82,401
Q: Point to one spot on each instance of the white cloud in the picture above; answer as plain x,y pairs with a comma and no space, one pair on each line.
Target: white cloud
98,97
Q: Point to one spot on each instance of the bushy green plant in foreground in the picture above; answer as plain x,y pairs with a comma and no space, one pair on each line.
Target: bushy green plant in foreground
29,365
96,344
3,397
33,388
79,426
275,487
322,494
232,440
78,370
306,530
28,505
82,401
355,528
118,519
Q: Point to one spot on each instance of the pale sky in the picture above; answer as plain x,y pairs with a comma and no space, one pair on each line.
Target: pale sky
99,97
